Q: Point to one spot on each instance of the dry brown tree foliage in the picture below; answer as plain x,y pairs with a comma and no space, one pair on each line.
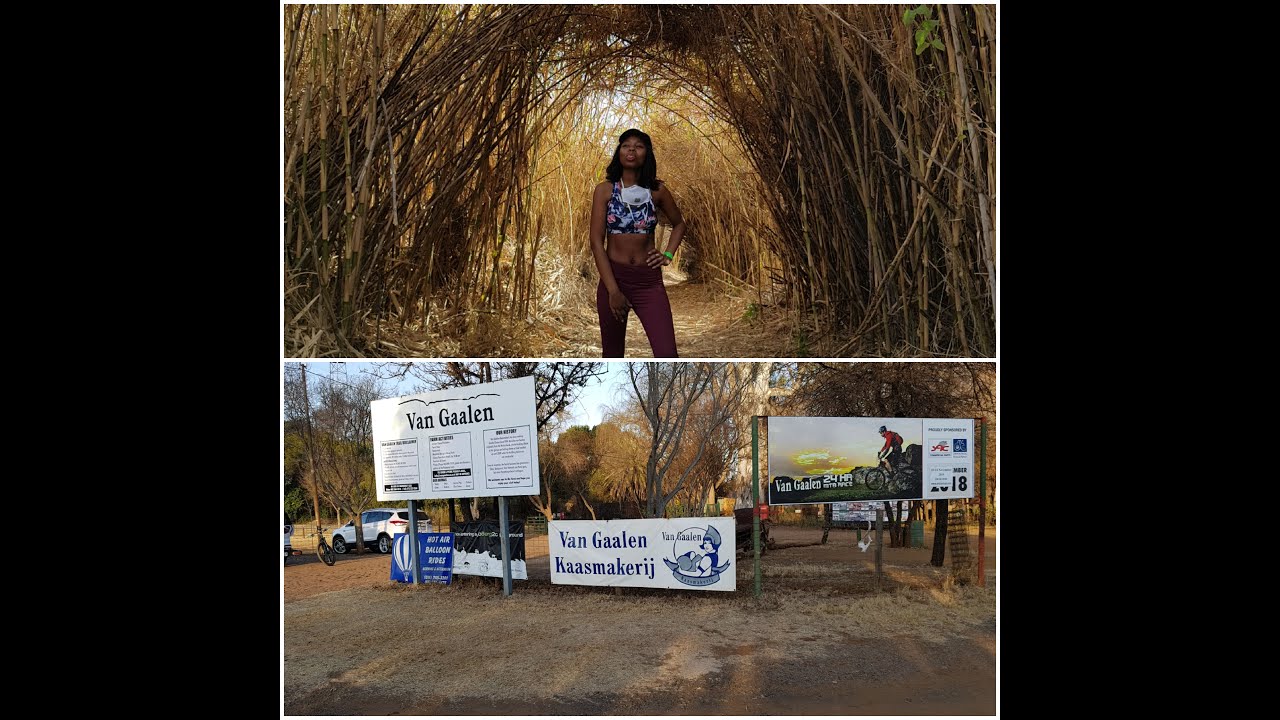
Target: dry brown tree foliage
439,161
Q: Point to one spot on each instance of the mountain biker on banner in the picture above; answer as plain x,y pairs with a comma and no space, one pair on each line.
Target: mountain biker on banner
891,454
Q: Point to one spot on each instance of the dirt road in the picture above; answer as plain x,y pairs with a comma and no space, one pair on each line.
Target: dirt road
820,641
710,321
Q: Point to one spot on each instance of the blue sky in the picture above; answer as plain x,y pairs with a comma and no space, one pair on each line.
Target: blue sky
588,409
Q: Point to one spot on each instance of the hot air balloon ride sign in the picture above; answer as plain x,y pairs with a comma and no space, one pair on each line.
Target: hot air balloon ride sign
436,551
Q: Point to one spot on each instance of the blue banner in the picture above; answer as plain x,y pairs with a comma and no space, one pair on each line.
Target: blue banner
436,552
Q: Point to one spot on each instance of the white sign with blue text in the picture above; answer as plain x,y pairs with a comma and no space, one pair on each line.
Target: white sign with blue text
678,554
472,441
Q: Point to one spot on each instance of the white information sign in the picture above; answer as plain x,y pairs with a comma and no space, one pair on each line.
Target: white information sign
678,554
507,456
473,441
451,463
400,459
948,458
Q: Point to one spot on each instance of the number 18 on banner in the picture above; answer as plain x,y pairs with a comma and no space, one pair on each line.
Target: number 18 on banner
948,461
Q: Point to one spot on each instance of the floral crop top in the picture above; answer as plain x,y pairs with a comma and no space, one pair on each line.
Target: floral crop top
624,218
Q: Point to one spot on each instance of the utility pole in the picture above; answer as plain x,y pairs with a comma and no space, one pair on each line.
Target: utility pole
755,496
982,503
311,451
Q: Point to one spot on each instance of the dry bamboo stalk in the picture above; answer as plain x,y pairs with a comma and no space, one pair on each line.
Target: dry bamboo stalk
967,127
301,200
322,252
347,264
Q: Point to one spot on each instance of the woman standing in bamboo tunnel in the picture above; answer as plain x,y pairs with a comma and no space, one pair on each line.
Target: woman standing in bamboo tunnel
625,208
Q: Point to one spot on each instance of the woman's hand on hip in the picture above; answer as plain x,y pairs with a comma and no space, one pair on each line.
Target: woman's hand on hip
656,259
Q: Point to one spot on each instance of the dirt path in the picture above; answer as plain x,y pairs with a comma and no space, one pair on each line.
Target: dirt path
710,321
820,641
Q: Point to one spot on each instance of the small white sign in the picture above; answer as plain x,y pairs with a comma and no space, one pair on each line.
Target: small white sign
508,458
451,463
948,458
472,441
400,460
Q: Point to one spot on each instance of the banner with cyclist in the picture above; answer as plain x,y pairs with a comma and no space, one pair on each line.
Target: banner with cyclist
848,459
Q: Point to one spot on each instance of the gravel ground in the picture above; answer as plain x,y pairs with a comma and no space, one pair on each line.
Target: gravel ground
822,640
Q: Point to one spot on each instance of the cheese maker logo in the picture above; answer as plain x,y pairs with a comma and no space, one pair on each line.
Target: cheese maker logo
696,552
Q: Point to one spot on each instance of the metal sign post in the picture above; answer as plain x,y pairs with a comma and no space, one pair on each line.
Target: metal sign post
879,546
982,503
413,540
504,532
755,493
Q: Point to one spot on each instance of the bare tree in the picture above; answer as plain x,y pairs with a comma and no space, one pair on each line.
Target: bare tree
773,384
550,475
710,469
667,393
343,442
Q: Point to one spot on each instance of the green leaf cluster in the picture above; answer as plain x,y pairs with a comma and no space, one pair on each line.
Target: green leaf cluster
925,36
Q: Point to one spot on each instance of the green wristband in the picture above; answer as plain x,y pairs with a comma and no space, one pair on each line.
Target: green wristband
670,256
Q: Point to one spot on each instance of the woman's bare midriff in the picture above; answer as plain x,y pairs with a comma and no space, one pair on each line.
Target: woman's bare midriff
629,248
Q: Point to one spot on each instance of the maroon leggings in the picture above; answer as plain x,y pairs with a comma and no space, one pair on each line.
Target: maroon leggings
642,285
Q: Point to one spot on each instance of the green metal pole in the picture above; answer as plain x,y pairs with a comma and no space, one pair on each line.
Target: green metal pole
413,543
755,493
982,505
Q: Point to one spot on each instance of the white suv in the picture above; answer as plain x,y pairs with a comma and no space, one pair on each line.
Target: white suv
380,526
288,533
